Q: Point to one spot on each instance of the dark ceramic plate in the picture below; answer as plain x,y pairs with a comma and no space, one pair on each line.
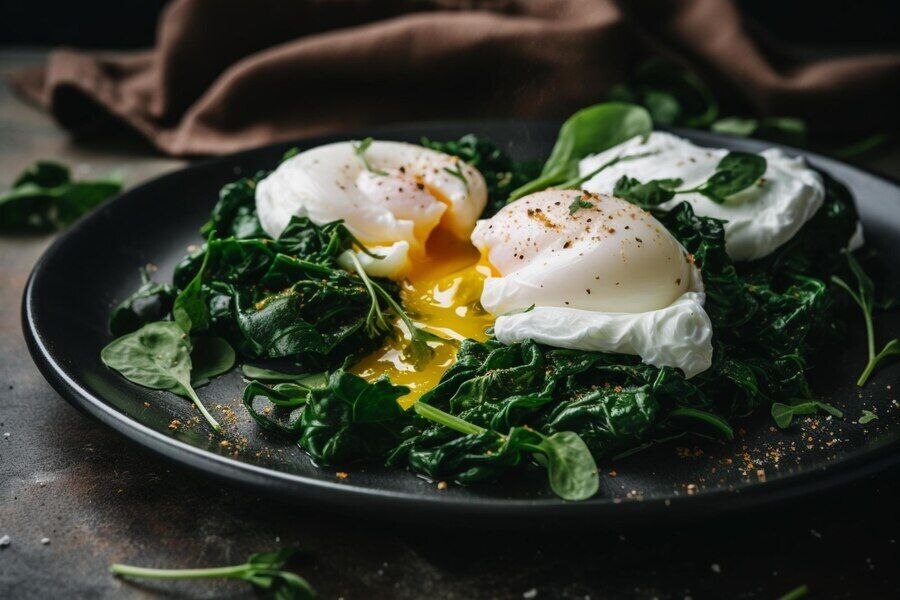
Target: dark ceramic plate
95,264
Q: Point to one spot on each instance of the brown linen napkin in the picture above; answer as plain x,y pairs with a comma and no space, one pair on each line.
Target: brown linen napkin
227,75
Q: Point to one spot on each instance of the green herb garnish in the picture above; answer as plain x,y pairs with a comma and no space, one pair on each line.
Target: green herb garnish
795,594
578,204
784,414
736,172
264,571
867,417
864,296
360,150
457,172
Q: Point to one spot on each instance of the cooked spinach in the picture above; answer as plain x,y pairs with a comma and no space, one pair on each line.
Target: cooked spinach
44,197
263,570
158,356
589,131
151,302
302,310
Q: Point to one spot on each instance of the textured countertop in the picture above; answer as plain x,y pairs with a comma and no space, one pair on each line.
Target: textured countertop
75,497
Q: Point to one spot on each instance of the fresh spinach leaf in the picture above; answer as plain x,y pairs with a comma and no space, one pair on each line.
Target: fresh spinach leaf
157,356
264,374
589,131
44,198
736,172
210,357
646,195
783,414
867,417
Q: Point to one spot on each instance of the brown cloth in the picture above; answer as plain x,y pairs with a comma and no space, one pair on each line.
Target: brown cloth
227,75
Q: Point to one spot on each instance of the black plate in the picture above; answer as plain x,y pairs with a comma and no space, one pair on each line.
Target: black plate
95,264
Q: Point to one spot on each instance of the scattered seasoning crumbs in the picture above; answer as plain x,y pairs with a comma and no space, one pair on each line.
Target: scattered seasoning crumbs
341,475
442,485
4,541
45,541
175,424
691,489
224,444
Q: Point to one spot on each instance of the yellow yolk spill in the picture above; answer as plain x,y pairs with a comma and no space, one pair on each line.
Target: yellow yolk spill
441,295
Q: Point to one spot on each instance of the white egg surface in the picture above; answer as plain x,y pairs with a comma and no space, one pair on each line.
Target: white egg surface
391,196
601,274
758,219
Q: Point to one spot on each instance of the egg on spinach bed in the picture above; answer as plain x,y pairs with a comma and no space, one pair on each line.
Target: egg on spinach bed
759,218
391,195
592,272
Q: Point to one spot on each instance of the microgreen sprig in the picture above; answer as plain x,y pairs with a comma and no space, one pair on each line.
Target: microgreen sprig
458,173
864,296
263,570
359,149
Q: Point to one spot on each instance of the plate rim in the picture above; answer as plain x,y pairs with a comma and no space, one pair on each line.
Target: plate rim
369,500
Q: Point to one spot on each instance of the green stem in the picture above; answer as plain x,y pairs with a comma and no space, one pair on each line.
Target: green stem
535,185
577,181
444,418
196,400
215,572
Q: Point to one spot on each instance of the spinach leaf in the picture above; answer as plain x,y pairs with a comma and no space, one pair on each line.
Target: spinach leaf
151,302
646,195
864,297
867,417
588,131
190,310
210,357
735,172
157,356
44,197
262,570
264,374
571,470
278,408
351,420
788,130
783,414
234,215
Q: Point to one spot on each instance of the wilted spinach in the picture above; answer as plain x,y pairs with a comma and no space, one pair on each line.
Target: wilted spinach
151,302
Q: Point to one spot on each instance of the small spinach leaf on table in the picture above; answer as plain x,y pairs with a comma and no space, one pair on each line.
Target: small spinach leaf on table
157,356
45,198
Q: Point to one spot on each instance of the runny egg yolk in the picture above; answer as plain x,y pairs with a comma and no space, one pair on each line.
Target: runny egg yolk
440,294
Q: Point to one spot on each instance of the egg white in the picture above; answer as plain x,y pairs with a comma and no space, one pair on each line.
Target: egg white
392,206
758,220
603,277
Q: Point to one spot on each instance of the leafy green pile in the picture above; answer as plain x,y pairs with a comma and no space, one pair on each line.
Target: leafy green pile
303,310
44,197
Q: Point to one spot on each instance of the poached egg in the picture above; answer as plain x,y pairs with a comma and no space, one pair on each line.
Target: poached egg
390,195
758,219
593,272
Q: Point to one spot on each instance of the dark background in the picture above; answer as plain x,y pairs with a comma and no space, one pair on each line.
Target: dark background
862,25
